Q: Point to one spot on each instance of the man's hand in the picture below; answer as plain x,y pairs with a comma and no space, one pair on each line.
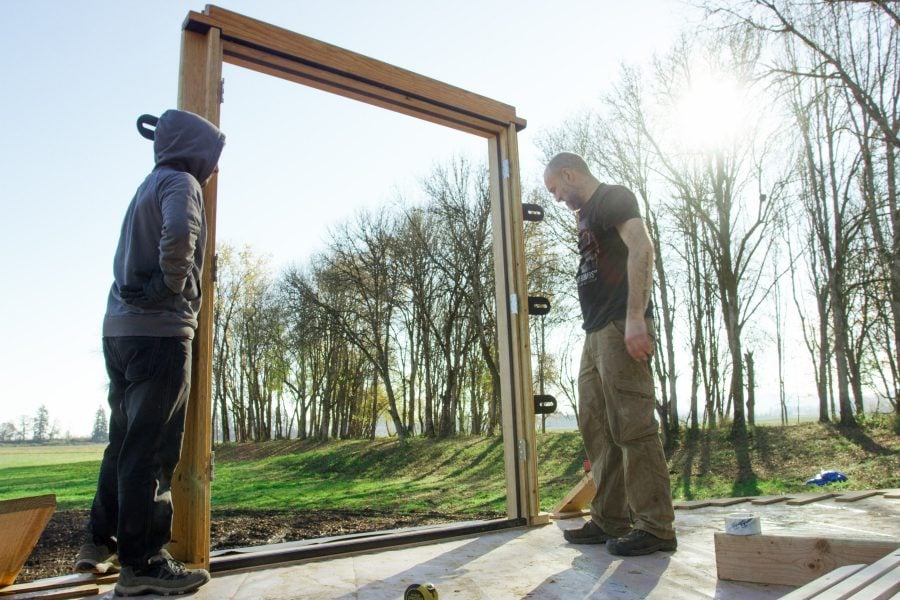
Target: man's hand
153,292
637,341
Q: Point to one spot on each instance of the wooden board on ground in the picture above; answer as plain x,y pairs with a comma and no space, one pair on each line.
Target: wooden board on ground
577,498
766,500
878,581
570,514
22,522
791,560
727,501
810,498
823,583
854,496
78,591
691,504
53,583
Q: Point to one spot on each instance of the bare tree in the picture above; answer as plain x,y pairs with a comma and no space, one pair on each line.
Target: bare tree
361,262
854,47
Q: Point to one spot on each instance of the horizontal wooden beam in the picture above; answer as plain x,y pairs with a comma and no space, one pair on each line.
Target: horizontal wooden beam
298,72
62,582
276,51
791,560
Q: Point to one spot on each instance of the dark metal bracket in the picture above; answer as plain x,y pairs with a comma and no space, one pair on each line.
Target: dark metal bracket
538,306
533,212
544,404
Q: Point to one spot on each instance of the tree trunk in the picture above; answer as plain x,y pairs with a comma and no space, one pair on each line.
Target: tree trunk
751,390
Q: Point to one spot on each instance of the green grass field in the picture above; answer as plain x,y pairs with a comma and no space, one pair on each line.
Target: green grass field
36,455
465,475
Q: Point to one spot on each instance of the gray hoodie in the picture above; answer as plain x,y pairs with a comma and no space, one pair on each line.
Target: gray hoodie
165,231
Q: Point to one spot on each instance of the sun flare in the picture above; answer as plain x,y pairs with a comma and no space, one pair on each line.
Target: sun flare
708,114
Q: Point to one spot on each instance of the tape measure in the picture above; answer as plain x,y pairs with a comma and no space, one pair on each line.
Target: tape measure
420,591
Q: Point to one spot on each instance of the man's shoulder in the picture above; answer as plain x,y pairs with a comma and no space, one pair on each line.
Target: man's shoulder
611,205
173,179
613,191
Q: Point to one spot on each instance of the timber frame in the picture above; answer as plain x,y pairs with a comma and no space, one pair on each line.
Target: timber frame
217,35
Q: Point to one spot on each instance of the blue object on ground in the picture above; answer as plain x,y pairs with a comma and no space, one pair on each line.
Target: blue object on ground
826,477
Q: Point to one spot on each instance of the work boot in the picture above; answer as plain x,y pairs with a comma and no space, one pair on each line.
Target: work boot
96,558
591,533
639,542
163,575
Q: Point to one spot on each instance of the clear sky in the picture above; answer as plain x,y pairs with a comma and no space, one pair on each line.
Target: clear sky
77,74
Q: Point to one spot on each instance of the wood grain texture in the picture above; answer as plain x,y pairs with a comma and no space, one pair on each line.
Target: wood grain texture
791,560
823,583
198,91
878,581
304,74
349,71
78,591
578,497
22,521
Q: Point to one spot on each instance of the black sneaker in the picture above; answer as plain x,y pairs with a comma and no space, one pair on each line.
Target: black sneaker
639,542
163,575
591,533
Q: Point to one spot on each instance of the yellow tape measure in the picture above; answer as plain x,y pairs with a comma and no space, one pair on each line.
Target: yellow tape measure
420,591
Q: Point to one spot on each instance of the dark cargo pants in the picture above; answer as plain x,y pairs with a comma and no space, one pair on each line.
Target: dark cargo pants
149,382
616,417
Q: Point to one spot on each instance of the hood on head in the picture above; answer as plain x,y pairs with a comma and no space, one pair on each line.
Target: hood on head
186,142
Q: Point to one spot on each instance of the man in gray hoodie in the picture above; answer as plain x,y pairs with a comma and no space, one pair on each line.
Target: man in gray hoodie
151,316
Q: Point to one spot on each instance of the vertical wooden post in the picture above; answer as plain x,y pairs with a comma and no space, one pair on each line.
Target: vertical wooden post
198,92
514,343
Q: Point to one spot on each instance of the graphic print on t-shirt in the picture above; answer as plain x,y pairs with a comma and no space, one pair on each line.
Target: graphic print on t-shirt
602,271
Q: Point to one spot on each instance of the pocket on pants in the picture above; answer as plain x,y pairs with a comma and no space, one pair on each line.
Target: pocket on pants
636,405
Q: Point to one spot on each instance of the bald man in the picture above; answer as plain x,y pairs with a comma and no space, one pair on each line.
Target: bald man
632,510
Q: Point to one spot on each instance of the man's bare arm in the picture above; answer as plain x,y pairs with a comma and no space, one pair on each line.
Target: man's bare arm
640,282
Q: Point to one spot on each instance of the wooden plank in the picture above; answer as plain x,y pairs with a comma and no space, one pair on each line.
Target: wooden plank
791,560
558,516
727,501
22,521
62,581
350,66
504,322
766,500
310,76
513,333
79,591
854,496
886,587
49,583
822,583
887,567
690,504
810,498
359,67
198,91
578,497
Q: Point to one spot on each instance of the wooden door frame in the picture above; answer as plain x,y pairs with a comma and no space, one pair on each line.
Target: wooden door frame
217,36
